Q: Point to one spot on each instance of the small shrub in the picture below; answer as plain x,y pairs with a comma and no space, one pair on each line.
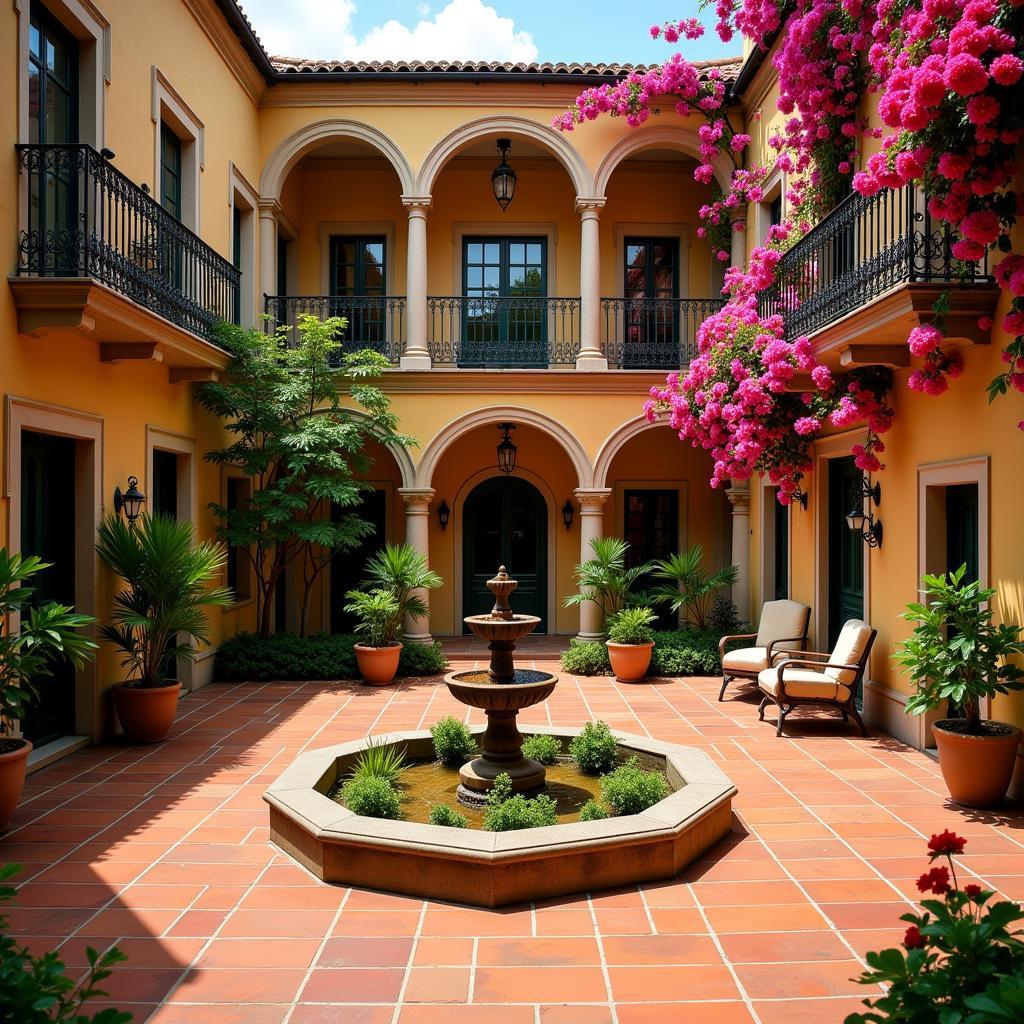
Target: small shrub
247,657
542,748
453,742
442,814
595,750
422,660
631,789
723,617
632,626
508,813
372,797
685,652
380,760
501,790
586,658
592,811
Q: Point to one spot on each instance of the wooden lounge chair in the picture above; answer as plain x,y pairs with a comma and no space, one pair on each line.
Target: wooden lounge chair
782,622
825,680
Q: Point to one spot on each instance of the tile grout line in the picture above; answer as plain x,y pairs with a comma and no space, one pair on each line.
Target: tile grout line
412,959
313,964
605,974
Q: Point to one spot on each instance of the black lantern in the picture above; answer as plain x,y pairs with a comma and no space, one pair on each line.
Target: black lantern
503,178
864,523
567,514
444,513
131,501
506,448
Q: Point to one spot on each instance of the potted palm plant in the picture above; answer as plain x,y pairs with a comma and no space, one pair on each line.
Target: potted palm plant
605,579
158,615
45,633
957,657
401,573
687,586
630,644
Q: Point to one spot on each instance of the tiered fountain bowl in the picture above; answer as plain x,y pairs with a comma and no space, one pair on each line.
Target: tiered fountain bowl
501,691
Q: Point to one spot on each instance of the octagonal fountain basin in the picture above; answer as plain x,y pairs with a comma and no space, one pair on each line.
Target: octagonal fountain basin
494,869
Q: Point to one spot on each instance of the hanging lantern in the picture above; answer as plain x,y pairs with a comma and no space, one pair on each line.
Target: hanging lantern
503,178
506,448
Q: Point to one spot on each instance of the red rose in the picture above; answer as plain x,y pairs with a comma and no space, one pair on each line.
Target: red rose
947,842
913,938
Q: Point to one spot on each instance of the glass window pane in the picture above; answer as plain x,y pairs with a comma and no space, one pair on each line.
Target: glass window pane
474,252
517,252
373,252
664,255
34,39
635,255
533,253
373,278
491,278
492,252
474,277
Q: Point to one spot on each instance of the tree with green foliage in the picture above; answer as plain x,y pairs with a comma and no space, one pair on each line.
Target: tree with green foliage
688,586
302,449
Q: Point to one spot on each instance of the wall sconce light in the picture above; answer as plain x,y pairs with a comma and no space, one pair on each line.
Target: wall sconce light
130,502
567,513
800,498
444,513
864,523
506,448
503,178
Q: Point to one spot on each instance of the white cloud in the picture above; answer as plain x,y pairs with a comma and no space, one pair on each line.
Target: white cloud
322,29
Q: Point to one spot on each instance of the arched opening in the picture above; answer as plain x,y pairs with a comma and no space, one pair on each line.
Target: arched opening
505,523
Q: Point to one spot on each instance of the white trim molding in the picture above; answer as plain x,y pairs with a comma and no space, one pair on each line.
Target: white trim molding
242,195
539,229
168,107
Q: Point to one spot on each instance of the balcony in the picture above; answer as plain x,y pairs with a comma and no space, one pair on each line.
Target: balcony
653,334
868,273
96,247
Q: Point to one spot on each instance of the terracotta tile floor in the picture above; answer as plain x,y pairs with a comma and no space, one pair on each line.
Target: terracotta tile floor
164,851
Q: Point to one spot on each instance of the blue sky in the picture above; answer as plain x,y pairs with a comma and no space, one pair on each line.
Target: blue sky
554,30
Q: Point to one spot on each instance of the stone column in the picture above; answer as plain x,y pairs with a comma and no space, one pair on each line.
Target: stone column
591,356
739,497
417,353
417,535
268,210
738,257
592,502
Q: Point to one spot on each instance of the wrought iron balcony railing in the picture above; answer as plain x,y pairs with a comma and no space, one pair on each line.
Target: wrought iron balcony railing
526,332
653,334
374,321
867,246
86,219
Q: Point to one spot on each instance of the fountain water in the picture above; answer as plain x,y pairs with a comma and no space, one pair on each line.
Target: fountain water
501,691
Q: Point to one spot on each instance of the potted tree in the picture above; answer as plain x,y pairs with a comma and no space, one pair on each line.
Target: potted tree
45,633
957,656
630,644
398,572
158,615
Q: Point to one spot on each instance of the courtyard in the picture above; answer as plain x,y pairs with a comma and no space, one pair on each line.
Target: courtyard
163,850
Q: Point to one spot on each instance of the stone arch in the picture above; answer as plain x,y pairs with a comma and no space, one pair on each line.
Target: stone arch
546,136
614,442
664,137
400,454
299,143
463,424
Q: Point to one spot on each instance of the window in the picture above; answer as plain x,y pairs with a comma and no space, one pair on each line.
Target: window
239,574
358,275
179,152
52,80
170,171
781,552
165,484
236,257
651,529
651,279
283,254
775,211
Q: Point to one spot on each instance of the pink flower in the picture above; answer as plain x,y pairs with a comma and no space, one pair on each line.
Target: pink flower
954,166
1007,69
967,249
809,425
982,109
924,339
981,227
965,75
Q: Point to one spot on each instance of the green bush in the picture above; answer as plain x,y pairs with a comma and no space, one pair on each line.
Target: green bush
631,789
724,617
595,750
442,814
632,626
586,658
686,652
542,748
372,797
592,811
508,813
250,658
453,742
36,990
380,760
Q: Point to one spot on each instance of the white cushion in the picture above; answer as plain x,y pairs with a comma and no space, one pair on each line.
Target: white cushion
803,682
848,650
745,659
780,620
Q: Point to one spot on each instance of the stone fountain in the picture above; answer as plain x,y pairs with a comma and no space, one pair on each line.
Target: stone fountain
501,691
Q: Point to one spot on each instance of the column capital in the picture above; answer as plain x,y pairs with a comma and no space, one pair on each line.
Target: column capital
592,204
739,498
417,499
592,499
269,207
414,204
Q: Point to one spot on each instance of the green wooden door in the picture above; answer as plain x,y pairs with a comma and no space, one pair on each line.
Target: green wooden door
359,285
651,277
504,522
651,529
48,530
781,566
845,549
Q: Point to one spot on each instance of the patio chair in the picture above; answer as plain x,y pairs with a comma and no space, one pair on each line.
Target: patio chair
782,622
823,680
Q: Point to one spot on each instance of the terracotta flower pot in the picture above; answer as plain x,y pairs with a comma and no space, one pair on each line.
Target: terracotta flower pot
977,769
12,777
146,713
630,661
378,665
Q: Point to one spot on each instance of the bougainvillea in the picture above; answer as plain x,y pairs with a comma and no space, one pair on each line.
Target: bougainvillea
949,77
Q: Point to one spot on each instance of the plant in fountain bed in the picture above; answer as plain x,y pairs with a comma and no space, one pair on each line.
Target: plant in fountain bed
592,811
595,750
542,748
508,813
630,789
380,760
372,797
46,632
453,742
160,613
442,814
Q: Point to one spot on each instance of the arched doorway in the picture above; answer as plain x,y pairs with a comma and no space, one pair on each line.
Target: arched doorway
504,522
